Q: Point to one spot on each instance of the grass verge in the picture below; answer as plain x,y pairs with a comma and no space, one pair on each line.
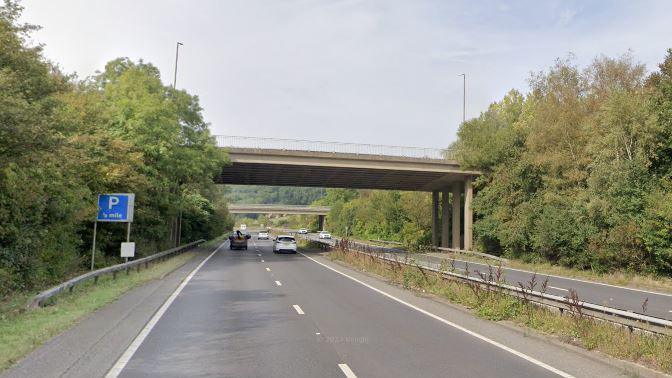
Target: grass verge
650,350
23,329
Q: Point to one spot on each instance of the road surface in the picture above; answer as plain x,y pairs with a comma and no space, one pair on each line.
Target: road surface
623,298
256,314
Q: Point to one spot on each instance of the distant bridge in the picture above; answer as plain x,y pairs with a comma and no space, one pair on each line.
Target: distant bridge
278,209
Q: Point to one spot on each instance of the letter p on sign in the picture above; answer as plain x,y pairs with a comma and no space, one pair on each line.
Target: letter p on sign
113,201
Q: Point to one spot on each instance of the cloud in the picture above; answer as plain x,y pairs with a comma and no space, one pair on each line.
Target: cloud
354,71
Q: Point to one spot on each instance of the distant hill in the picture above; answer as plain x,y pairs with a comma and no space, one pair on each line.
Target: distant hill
285,195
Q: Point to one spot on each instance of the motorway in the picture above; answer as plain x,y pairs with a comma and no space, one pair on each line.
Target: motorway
256,314
619,297
253,313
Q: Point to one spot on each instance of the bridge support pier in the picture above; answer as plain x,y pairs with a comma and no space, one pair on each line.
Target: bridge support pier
320,222
468,215
435,219
445,217
451,199
457,244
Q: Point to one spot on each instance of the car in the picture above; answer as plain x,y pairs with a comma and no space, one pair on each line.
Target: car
324,235
238,240
243,227
303,231
284,243
262,235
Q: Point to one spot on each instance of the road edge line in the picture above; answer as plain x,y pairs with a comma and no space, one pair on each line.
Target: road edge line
449,323
120,364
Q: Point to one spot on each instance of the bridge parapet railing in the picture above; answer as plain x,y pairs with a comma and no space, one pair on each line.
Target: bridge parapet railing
333,147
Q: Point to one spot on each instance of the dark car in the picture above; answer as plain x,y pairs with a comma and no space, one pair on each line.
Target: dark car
239,240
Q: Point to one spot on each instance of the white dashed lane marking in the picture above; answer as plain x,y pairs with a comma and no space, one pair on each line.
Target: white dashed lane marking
556,288
347,371
278,283
298,309
268,269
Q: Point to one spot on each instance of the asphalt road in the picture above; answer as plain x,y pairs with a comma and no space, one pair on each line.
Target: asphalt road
623,298
256,314
619,297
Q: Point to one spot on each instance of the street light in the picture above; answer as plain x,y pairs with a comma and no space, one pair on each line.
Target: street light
464,97
177,54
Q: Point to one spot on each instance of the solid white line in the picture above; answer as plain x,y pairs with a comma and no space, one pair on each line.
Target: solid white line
447,322
278,283
556,288
130,351
347,371
268,269
298,309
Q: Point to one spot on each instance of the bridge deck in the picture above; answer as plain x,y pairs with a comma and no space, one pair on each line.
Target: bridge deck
255,166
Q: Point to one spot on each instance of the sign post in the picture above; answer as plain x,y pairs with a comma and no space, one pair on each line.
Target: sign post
114,207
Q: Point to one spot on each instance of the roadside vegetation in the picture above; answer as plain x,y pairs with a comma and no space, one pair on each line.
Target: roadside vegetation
260,194
577,173
572,327
23,329
65,139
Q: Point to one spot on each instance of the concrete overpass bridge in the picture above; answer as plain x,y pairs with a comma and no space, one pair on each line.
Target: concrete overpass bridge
286,162
320,211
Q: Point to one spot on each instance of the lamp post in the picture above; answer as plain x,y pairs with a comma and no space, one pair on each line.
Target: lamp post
177,54
464,97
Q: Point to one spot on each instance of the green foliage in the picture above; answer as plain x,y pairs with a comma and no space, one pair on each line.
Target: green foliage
577,171
64,141
254,194
377,214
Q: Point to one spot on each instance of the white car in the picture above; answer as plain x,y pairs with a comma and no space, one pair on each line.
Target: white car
303,231
324,235
284,243
243,227
262,235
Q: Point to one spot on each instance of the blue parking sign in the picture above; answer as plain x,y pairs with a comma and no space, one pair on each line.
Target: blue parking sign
115,207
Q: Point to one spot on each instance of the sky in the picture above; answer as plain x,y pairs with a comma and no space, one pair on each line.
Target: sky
378,71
